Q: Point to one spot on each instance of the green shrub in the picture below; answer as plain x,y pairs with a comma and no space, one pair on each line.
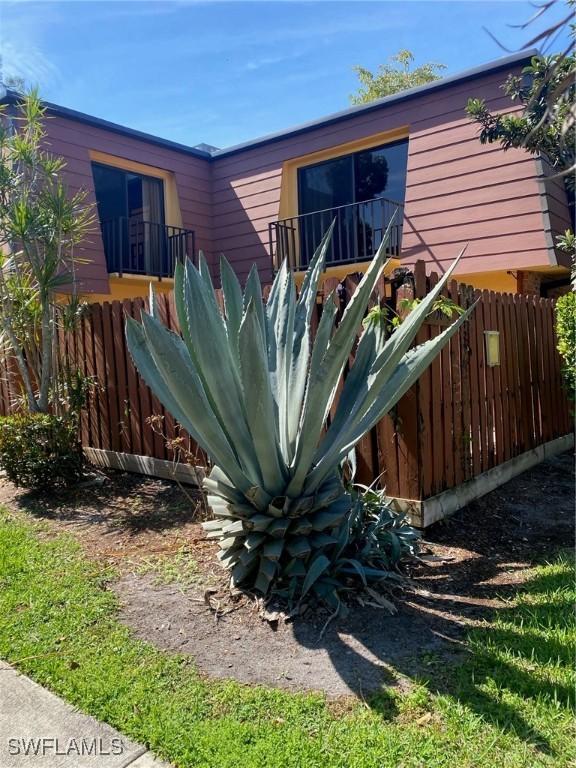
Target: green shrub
373,543
380,537
40,451
566,336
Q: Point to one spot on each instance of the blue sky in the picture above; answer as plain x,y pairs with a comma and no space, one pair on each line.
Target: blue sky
227,72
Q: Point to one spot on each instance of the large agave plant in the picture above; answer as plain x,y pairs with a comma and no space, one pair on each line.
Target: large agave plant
254,390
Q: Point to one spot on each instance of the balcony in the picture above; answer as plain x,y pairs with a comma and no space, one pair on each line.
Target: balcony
137,247
358,232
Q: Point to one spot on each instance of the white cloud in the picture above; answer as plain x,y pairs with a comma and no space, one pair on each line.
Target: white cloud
262,62
21,53
27,62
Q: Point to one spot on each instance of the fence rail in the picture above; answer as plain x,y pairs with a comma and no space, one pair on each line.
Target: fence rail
462,418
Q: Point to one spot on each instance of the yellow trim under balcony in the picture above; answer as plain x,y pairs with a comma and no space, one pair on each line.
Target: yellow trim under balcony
339,272
131,287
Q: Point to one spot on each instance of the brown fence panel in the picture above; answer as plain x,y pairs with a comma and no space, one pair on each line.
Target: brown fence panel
518,368
476,371
462,418
101,373
465,416
511,365
458,395
466,299
93,405
433,415
112,371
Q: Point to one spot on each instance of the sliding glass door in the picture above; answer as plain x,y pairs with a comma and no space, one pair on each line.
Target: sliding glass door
326,190
131,213
360,191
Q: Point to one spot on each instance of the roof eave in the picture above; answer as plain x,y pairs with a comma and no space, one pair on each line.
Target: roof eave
346,114
507,62
13,97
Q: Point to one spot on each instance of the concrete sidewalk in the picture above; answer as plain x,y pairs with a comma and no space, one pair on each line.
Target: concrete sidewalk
39,730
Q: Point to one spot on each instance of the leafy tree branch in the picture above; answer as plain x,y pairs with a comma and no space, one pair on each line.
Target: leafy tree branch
394,76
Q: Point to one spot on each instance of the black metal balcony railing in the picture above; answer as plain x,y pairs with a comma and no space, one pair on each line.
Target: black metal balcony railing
137,247
358,232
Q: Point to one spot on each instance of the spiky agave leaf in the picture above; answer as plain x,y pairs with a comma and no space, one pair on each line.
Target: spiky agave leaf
253,391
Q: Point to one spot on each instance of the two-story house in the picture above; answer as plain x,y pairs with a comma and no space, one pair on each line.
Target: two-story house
414,155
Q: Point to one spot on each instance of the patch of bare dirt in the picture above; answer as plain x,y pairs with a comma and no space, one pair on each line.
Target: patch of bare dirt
483,555
121,519
355,656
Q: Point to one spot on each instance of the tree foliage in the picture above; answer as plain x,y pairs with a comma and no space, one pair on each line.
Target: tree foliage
41,225
546,91
566,336
394,76
546,125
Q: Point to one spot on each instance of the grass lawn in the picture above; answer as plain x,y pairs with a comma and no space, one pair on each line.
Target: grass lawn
510,703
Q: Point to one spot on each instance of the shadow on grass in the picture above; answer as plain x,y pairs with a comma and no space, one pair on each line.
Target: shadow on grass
502,666
498,669
498,673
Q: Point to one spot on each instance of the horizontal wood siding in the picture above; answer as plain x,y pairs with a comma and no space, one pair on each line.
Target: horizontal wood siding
458,191
73,140
556,212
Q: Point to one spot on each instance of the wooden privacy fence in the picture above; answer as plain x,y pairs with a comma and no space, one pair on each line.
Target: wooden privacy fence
462,418
465,417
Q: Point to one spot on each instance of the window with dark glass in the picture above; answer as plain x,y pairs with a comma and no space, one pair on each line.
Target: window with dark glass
360,191
131,213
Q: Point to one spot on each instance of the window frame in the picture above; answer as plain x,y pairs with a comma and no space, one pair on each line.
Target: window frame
129,172
352,155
